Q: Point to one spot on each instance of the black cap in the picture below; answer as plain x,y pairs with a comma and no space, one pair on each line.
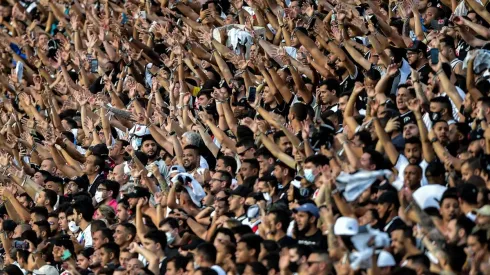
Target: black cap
241,191
387,187
450,193
146,137
390,197
475,135
396,224
54,179
100,150
81,182
408,118
139,192
192,244
418,46
468,193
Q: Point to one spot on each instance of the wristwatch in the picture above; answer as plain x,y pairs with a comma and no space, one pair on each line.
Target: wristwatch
434,140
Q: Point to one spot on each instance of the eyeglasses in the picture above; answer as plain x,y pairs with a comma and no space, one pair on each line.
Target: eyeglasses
310,263
101,189
243,153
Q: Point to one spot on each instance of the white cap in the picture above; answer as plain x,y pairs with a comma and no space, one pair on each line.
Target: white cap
346,226
194,189
385,259
46,270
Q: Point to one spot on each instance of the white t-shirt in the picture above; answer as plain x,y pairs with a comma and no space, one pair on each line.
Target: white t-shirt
218,270
86,235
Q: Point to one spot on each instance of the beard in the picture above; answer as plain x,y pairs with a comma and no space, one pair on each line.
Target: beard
302,232
340,71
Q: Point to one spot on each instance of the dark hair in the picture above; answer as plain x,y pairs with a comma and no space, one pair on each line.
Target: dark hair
457,257
278,135
317,160
44,226
332,84
172,222
112,247
444,100
480,235
246,142
242,230
157,236
51,196
40,211
254,163
300,110
376,158
207,271
420,259
282,217
99,162
272,261
130,228
180,262
225,231
225,176
27,197
463,222
252,241
264,152
97,225
69,135
413,140
112,186
107,233
208,252
192,147
271,246
258,268
87,210
230,162
12,269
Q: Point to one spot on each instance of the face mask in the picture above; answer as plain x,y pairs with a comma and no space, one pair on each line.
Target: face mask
98,196
267,196
435,116
73,227
253,211
293,267
170,237
309,175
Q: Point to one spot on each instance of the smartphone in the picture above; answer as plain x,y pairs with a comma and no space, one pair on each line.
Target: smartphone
94,65
142,14
24,245
374,20
19,70
434,55
311,23
252,91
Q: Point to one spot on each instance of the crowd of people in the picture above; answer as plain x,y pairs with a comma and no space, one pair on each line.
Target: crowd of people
252,137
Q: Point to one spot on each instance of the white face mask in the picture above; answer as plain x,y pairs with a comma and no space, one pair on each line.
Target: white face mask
73,227
267,196
170,237
253,211
98,196
309,175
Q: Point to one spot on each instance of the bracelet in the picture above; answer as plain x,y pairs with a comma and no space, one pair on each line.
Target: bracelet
440,71
24,181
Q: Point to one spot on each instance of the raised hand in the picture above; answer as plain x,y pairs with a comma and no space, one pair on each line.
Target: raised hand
414,105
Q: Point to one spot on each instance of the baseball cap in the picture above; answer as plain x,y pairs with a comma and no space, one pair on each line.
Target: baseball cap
408,118
193,244
475,135
139,192
308,208
385,259
346,226
388,197
46,270
100,150
81,182
240,190
418,46
177,168
468,193
484,211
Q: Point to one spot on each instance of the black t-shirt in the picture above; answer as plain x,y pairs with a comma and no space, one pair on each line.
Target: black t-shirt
347,84
171,252
315,240
424,73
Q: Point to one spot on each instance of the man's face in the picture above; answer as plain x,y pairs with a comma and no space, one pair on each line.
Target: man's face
451,233
121,213
410,130
120,235
90,168
216,183
441,129
133,264
413,57
41,199
473,245
383,208
412,177
190,159
149,147
203,100
124,258
82,262
62,221
171,269
22,200
105,256
53,224
325,94
246,170
449,209
315,264
413,153
235,202
98,239
51,185
151,245
343,103
39,178
278,172
429,15
302,220
245,153
286,146
48,165
402,98
366,161
116,150
446,50
466,172
397,242
482,220
242,253
264,164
